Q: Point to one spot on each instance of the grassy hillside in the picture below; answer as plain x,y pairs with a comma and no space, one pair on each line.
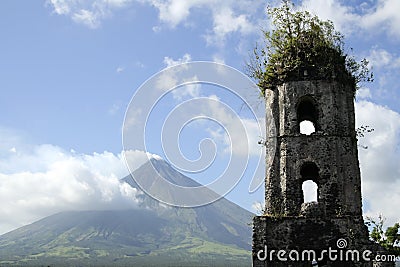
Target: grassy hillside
217,234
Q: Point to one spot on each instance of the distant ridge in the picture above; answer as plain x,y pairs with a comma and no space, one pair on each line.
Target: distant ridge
218,234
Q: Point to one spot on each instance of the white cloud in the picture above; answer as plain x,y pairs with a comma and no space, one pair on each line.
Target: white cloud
227,16
156,29
114,109
173,12
136,158
241,135
120,69
190,89
117,3
87,17
381,58
218,59
61,7
239,16
379,15
226,22
169,79
40,180
169,62
386,65
379,163
86,12
363,93
342,15
384,16
133,117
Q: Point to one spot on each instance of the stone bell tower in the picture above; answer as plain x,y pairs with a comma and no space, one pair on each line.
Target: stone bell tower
329,158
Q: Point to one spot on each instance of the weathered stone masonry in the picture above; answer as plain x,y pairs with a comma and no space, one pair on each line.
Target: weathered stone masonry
329,158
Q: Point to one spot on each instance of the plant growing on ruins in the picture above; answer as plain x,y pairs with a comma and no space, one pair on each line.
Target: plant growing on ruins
389,239
301,46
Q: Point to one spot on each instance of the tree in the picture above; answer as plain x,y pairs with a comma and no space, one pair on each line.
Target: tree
301,45
389,239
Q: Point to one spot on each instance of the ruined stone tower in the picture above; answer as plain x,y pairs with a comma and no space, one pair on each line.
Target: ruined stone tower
329,158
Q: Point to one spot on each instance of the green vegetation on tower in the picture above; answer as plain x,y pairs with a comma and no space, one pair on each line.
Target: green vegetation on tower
301,46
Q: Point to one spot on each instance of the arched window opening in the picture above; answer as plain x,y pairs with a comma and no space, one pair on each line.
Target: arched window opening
309,175
307,115
307,127
310,191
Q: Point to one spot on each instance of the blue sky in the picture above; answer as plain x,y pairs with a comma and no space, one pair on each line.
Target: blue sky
68,70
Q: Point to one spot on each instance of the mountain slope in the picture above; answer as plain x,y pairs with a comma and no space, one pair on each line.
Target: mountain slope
217,234
221,218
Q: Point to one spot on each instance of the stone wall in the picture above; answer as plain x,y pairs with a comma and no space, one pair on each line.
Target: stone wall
328,157
342,236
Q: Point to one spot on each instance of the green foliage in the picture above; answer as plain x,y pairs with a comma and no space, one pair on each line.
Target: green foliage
301,46
214,235
389,239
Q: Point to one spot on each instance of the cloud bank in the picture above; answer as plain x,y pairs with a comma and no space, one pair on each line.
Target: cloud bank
227,16
40,180
379,163
240,17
